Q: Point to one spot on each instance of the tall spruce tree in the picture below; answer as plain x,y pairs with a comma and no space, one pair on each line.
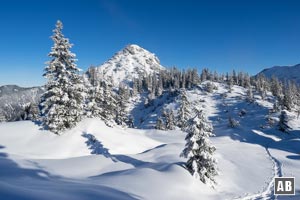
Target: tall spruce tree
62,103
183,114
288,97
250,97
160,124
198,150
94,102
121,101
283,122
109,104
170,121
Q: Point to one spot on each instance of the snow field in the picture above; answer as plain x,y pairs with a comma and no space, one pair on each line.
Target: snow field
145,163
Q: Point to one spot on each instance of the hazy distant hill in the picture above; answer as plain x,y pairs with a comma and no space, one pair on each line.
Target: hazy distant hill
284,73
13,99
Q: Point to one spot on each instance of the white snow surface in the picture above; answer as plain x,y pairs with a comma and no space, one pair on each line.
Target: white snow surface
128,64
145,163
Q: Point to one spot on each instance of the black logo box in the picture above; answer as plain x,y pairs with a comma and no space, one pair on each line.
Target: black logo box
284,186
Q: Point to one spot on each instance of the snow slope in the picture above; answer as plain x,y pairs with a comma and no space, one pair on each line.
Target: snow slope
93,161
128,64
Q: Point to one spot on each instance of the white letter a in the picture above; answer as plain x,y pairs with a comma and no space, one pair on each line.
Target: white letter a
280,186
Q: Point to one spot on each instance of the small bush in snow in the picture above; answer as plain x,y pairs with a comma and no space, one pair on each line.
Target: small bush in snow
210,87
271,121
242,112
224,95
233,123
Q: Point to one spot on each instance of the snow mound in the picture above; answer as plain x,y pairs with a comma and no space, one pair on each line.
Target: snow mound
27,139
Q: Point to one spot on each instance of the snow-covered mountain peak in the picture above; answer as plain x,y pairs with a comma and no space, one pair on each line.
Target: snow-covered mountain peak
134,49
128,64
283,73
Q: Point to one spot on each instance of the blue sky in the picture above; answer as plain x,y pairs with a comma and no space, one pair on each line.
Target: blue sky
222,35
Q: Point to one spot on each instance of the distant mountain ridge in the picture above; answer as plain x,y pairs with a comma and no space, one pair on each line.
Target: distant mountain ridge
13,99
128,64
283,73
13,89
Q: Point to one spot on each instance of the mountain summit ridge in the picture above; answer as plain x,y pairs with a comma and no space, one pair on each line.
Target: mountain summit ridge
283,73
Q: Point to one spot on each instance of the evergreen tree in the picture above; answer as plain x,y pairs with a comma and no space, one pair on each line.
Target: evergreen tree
2,117
195,79
198,150
262,85
297,102
204,75
288,97
234,78
109,104
230,83
160,124
183,114
92,75
134,87
159,88
283,122
62,103
95,100
122,100
250,97
130,122
276,106
32,111
170,122
247,82
276,87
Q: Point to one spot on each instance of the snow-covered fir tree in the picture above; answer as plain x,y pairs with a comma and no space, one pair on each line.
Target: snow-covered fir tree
183,114
160,124
199,151
204,74
121,101
109,104
287,101
276,87
159,88
283,122
262,85
62,103
297,103
32,111
250,97
2,117
170,121
230,82
95,100
130,122
276,106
